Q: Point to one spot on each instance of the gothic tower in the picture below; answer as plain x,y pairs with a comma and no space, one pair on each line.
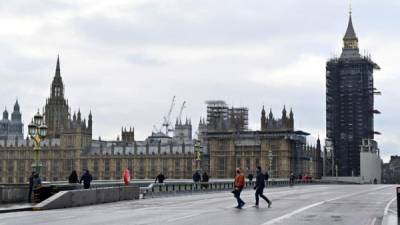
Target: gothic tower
263,119
56,109
349,103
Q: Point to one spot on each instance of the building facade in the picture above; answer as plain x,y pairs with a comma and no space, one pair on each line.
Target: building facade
391,171
349,105
69,146
277,147
226,143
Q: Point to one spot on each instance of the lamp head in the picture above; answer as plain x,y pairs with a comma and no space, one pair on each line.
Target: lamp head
42,131
32,129
38,119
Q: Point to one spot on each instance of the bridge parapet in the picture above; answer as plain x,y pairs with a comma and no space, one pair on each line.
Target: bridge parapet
156,189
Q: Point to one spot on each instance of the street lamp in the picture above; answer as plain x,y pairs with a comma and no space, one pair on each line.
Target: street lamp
271,157
37,131
197,149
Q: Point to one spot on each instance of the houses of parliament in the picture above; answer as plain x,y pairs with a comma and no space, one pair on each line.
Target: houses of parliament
226,142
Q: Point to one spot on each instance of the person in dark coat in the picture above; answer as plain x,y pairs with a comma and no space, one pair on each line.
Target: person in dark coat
205,178
250,177
37,182
259,187
160,178
86,178
30,187
291,179
73,178
196,177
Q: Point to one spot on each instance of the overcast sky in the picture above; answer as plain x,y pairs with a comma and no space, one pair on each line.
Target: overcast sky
126,59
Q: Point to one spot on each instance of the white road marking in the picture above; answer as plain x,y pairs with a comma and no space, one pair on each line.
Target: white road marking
288,215
391,211
183,217
67,217
385,212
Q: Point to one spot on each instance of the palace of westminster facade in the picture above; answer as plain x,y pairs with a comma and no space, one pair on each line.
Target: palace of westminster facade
226,143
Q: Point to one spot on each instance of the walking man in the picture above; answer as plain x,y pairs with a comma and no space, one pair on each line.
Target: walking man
30,187
160,178
204,179
259,187
86,178
291,179
239,184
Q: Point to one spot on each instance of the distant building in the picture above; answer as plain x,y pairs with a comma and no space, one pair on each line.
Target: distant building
370,162
69,146
11,130
277,147
349,105
221,117
183,131
391,171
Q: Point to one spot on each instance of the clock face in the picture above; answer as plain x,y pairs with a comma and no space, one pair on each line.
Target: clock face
350,44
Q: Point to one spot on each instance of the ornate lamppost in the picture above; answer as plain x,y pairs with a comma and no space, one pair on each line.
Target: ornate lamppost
271,157
197,150
37,131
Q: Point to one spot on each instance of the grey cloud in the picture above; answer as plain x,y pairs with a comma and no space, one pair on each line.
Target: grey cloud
126,67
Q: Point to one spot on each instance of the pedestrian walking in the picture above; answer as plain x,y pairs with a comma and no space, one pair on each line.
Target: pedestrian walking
204,180
291,179
160,178
250,177
86,178
259,187
30,187
196,177
239,184
127,176
37,182
73,178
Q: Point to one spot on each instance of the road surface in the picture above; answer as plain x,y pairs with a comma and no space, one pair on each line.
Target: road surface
306,204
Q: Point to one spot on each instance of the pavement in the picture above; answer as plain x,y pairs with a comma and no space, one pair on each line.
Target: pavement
305,204
16,207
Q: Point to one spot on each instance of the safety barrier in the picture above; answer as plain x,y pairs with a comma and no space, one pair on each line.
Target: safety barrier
13,193
156,189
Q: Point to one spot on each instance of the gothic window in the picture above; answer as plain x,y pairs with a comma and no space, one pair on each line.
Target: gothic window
177,167
11,166
118,169
57,91
238,163
130,165
107,165
84,164
141,169
153,167
189,166
221,163
95,166
248,163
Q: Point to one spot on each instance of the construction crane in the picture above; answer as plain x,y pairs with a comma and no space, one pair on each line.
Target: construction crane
167,118
181,110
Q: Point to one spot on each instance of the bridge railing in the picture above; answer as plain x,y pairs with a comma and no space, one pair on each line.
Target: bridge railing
12,193
155,189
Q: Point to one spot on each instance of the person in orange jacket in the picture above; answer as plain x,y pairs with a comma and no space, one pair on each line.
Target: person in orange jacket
127,176
239,184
